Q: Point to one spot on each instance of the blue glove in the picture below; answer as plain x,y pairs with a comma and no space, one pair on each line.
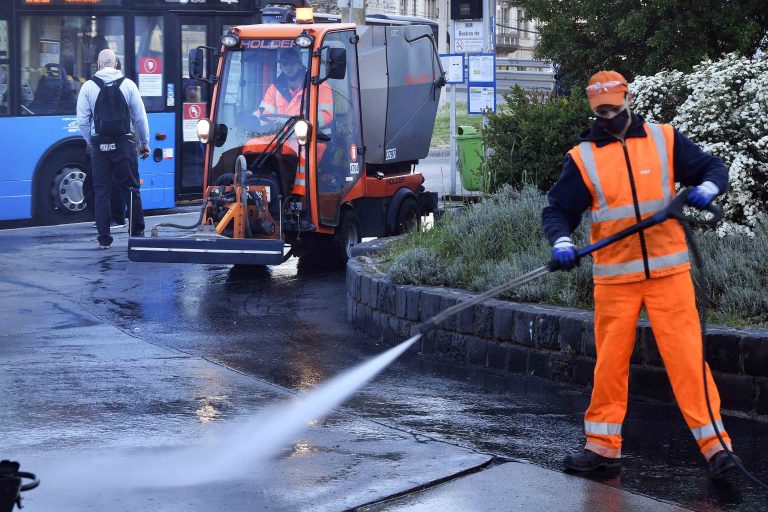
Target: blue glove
701,196
564,253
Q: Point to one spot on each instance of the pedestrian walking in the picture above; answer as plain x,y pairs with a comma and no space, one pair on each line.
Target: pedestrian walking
117,200
623,170
109,108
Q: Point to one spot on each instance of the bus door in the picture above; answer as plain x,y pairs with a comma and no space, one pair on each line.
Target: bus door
194,98
151,72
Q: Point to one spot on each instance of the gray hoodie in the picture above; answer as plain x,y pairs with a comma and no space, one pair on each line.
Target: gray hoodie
86,101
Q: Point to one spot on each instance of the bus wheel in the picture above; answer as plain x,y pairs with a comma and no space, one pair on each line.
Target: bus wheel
59,197
408,217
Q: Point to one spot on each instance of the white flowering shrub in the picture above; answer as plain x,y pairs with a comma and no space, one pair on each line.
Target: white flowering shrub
722,106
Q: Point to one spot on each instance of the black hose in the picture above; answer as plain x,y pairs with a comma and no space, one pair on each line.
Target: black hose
703,301
30,476
227,178
181,226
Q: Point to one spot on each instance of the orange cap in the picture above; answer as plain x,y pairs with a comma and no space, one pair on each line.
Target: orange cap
606,88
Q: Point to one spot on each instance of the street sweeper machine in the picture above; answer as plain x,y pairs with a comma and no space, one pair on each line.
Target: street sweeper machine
311,142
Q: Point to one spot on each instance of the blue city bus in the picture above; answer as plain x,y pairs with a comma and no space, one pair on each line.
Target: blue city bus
48,49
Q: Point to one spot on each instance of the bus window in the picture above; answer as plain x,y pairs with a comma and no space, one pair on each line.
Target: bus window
149,61
4,93
58,55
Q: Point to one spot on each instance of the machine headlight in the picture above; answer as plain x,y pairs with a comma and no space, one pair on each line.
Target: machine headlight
204,130
301,130
230,40
304,40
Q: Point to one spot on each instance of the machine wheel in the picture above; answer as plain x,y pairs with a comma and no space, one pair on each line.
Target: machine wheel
347,236
330,253
58,194
249,272
408,217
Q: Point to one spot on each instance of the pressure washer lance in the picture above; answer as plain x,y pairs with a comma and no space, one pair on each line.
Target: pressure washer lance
673,211
11,486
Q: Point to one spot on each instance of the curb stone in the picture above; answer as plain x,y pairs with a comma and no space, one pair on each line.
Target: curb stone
552,342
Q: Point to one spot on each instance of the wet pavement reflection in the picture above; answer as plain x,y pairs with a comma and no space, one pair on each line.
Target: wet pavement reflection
286,327
289,328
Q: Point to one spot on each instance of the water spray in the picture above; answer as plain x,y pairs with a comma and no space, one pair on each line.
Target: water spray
281,425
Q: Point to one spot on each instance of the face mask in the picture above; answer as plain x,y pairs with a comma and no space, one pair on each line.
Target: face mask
616,124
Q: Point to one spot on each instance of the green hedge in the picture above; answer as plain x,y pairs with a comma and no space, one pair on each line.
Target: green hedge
531,135
490,243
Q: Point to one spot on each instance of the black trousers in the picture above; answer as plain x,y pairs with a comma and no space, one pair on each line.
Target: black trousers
114,164
118,202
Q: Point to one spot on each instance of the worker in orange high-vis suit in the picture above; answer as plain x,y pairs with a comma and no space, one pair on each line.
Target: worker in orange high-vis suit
284,97
623,170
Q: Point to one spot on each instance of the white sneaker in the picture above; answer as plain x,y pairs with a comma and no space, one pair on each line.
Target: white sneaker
116,227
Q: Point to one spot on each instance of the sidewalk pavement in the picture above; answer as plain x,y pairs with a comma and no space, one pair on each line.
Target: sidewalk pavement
88,407
524,487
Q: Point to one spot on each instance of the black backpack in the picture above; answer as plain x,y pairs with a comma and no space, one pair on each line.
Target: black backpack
111,117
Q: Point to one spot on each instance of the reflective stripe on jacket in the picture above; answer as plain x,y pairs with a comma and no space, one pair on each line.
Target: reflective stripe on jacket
629,182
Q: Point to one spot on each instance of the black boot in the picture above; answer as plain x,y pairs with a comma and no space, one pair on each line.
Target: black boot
721,464
587,460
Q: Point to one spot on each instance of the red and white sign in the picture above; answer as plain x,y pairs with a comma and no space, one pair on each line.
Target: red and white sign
151,76
150,65
353,152
192,113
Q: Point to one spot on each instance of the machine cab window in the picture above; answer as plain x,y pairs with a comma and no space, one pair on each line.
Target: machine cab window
264,87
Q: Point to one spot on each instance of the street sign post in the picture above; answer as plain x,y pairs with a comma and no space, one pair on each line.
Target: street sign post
469,36
453,64
481,93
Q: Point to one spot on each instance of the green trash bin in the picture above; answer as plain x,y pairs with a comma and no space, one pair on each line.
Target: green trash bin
470,146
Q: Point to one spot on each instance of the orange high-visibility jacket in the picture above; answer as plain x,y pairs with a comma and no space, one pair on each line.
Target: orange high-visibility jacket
630,182
276,103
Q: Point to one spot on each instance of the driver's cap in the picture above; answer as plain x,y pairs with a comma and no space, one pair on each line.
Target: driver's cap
289,56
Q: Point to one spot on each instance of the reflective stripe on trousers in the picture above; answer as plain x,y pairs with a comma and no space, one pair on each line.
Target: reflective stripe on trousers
603,429
707,430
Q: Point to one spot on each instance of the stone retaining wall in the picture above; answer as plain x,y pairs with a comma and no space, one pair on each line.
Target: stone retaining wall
552,342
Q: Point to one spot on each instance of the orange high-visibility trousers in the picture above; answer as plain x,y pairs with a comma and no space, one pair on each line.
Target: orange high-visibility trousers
671,306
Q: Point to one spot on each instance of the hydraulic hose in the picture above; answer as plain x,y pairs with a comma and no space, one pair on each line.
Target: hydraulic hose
702,292
181,226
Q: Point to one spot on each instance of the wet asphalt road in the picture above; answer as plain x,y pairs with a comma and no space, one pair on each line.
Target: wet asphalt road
268,336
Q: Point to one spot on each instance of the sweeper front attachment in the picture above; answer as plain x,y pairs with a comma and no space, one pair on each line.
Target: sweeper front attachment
200,248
